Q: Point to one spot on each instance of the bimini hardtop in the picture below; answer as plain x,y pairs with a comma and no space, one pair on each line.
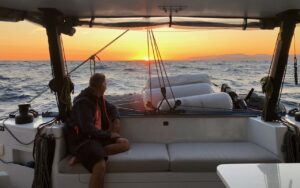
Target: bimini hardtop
144,13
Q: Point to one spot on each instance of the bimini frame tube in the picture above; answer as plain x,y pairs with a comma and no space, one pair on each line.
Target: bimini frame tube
52,21
279,63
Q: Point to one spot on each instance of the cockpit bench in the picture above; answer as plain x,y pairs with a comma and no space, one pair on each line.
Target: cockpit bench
179,157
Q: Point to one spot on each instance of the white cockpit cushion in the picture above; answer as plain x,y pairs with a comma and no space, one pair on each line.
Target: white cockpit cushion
142,157
206,156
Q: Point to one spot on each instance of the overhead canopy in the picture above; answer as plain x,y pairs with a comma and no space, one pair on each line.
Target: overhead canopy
14,10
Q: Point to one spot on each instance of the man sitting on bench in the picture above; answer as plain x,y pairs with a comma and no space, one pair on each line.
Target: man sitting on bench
93,130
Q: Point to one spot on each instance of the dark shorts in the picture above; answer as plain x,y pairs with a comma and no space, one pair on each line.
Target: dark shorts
92,152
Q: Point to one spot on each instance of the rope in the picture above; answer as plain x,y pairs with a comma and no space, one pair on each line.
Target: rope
93,64
43,154
44,148
38,95
291,142
95,54
40,127
161,73
158,58
155,61
164,69
160,77
65,93
14,136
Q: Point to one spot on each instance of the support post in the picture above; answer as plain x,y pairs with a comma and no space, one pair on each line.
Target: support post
52,21
279,64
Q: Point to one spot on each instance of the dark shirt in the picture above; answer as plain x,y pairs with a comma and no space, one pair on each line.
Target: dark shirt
83,117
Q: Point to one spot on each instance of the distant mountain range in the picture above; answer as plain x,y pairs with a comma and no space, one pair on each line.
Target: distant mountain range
239,57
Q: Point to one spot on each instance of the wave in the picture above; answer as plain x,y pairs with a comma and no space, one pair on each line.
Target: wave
4,78
14,97
21,81
129,69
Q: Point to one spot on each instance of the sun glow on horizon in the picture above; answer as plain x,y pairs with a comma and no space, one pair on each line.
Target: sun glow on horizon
26,41
146,58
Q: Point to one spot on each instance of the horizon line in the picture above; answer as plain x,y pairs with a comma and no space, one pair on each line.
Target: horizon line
212,57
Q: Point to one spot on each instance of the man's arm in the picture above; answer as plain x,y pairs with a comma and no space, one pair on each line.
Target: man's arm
116,126
114,116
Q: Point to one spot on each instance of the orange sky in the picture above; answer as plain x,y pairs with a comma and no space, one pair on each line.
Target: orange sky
27,41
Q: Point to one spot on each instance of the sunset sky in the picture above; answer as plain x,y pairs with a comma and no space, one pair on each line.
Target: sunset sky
27,41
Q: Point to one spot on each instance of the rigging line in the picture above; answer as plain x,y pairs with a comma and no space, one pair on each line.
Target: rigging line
163,89
157,54
103,48
164,69
155,61
38,95
149,65
284,74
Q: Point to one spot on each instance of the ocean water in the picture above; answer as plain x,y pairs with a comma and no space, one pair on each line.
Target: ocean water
21,81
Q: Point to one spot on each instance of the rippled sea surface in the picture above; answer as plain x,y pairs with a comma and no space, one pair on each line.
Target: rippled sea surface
21,81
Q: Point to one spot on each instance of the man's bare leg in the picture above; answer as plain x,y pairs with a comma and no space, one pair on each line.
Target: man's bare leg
97,178
121,145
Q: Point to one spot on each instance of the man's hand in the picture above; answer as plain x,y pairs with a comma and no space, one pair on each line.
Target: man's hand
115,135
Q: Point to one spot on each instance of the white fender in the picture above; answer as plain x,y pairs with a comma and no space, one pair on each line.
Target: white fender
179,91
211,101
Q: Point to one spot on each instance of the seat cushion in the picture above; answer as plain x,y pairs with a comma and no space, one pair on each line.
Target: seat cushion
142,157
205,157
